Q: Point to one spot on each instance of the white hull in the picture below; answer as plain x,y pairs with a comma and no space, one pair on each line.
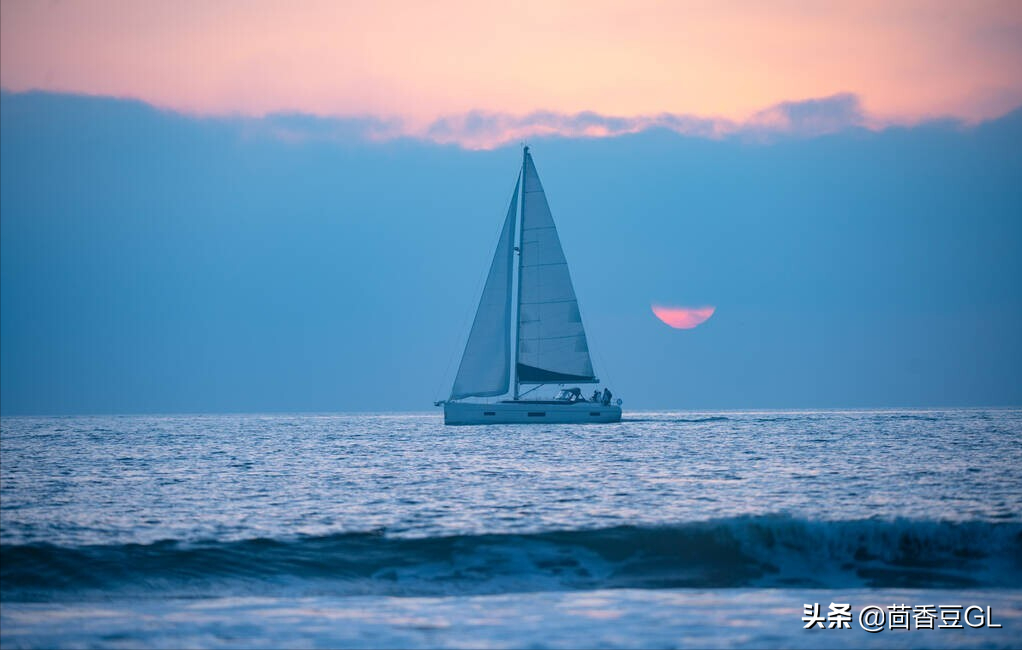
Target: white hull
530,412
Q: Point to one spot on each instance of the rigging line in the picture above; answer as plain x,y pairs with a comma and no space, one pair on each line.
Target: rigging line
531,389
478,293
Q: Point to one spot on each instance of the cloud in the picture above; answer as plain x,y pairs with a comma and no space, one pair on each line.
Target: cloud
480,130
486,130
299,128
810,117
489,130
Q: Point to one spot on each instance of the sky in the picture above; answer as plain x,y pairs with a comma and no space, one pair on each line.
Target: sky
416,64
224,207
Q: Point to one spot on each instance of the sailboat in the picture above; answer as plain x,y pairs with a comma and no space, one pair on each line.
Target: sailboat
541,316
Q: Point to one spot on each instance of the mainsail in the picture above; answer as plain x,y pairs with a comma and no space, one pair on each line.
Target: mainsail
486,364
552,345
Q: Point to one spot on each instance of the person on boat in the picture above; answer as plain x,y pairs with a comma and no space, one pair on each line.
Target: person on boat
596,396
606,396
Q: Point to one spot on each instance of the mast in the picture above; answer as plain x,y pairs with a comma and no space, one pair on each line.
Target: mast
518,301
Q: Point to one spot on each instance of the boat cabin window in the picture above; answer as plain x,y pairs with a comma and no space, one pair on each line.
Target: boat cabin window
569,395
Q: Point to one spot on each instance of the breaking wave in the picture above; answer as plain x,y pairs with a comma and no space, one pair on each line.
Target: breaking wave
771,551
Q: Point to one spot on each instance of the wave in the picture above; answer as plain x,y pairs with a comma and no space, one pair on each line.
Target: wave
913,417
771,551
712,418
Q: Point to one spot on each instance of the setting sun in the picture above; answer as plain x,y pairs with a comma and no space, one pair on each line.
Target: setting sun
683,318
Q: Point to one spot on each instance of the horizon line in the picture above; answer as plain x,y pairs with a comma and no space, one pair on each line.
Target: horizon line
438,413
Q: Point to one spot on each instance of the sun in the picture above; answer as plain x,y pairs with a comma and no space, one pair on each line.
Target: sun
683,318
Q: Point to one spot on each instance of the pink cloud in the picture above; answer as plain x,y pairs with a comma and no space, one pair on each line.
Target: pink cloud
485,130
683,318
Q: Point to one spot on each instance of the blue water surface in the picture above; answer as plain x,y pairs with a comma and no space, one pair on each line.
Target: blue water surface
668,529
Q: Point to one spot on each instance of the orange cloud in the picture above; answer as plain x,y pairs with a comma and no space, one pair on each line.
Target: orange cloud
683,318
907,60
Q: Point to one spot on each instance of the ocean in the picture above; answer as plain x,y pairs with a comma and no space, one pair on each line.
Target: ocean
670,529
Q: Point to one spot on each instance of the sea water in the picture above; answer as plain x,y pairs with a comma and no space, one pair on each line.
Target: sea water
379,530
